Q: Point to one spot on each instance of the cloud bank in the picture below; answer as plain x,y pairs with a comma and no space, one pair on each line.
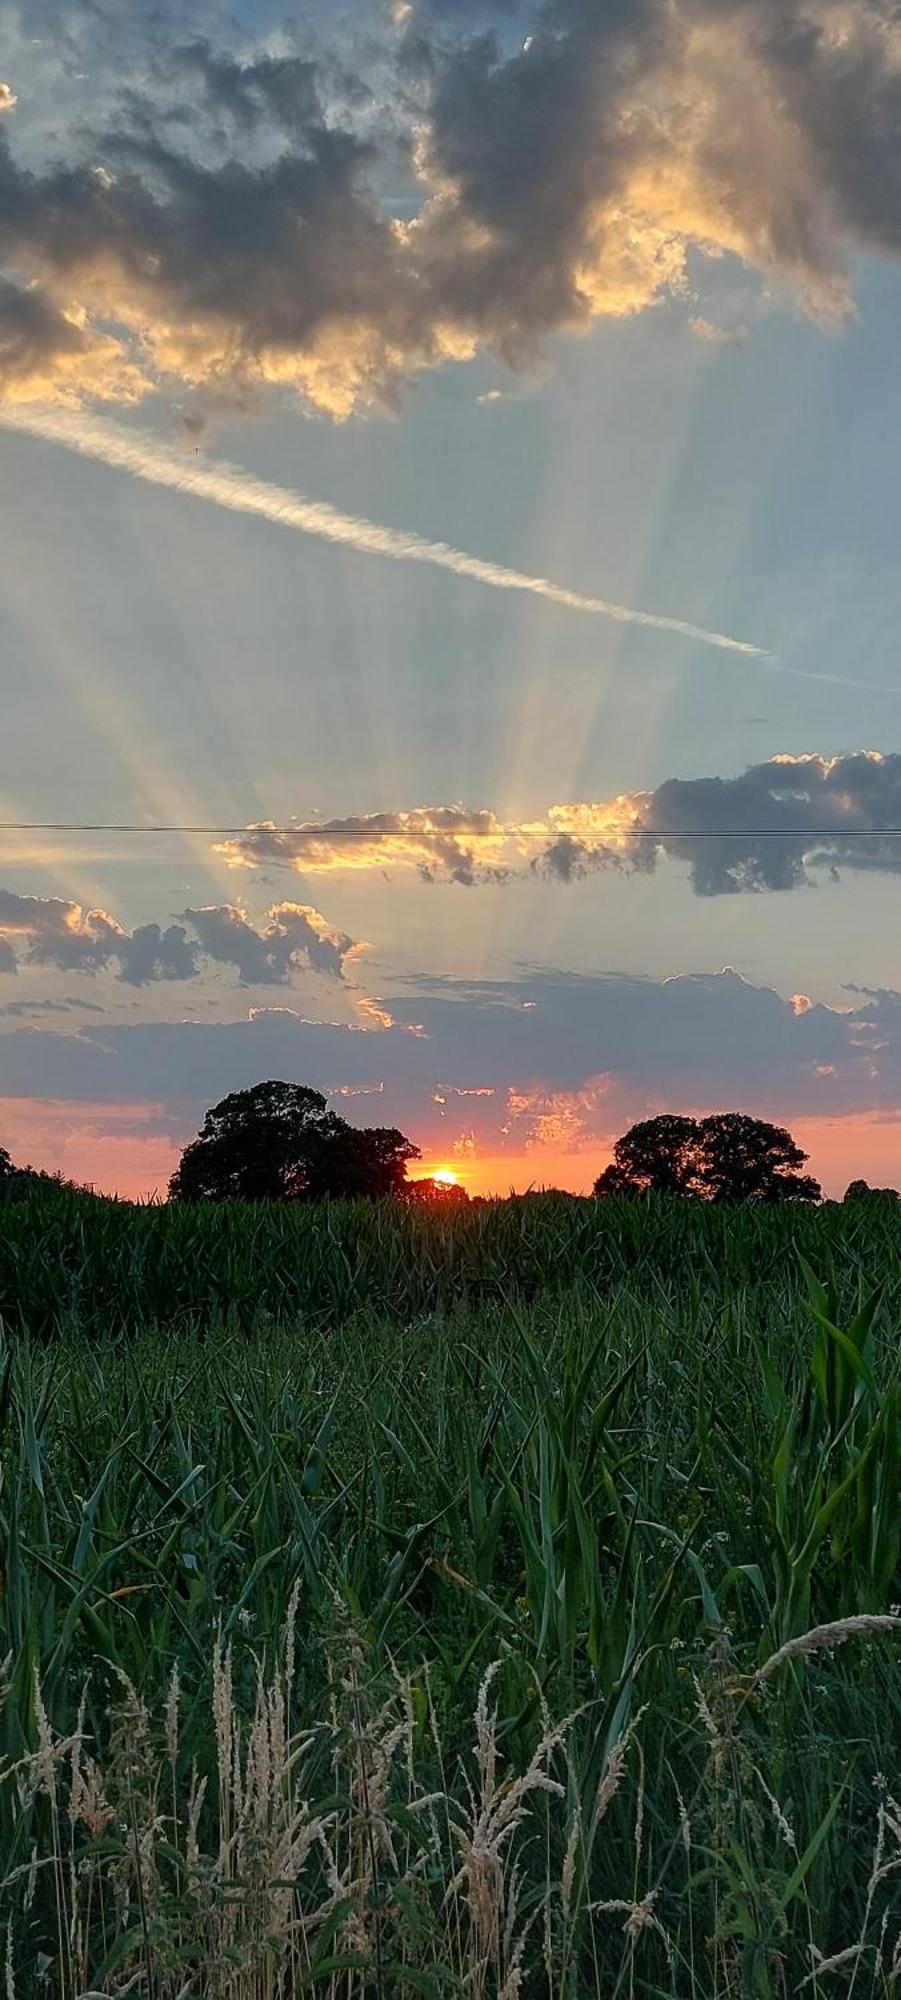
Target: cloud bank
51,931
237,220
776,826
550,1060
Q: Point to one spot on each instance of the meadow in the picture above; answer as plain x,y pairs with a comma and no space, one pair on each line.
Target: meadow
493,1602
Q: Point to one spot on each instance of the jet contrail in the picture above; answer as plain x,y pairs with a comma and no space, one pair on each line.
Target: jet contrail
148,457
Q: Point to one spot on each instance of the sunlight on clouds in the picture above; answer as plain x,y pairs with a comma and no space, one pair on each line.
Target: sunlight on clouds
552,186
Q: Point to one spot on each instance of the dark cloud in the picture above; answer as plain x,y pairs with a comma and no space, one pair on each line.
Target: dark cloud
40,348
152,953
279,92
23,1010
51,931
296,936
778,825
559,170
771,828
552,1057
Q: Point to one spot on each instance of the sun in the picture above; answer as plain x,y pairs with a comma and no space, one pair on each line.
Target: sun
445,1177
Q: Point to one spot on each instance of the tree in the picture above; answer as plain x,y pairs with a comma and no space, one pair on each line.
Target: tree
351,1163
658,1156
615,1180
727,1157
280,1142
862,1191
436,1194
256,1145
6,1166
746,1159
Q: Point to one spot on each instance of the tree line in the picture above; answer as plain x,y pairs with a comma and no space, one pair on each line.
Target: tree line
280,1142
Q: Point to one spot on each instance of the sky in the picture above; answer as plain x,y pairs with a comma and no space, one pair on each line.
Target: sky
449,464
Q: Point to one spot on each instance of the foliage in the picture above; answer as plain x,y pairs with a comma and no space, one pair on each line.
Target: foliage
862,1191
438,1194
727,1157
279,1142
621,1454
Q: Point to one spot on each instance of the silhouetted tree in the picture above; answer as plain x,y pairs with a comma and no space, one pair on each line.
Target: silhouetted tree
658,1156
436,1194
615,1180
350,1163
255,1145
746,1159
727,1157
6,1166
280,1142
862,1191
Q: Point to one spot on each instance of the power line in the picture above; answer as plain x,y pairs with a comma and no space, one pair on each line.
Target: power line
335,835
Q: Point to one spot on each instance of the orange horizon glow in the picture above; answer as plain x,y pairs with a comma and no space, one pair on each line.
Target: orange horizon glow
120,1149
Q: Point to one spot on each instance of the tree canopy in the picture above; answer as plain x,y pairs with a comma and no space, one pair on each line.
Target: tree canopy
862,1191
726,1157
436,1194
280,1142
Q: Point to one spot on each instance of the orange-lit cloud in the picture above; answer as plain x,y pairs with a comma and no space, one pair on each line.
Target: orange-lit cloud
770,828
231,226
435,840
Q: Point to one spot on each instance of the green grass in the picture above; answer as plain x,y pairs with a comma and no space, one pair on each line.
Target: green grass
622,1451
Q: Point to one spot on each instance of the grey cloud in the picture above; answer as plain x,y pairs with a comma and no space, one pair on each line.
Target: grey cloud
60,933
51,931
152,953
551,1051
555,177
776,826
278,90
295,936
771,828
38,345
23,1010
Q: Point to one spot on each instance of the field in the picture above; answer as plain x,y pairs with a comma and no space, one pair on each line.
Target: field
404,1603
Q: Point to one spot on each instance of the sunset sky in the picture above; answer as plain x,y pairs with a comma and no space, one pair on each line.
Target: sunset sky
450,459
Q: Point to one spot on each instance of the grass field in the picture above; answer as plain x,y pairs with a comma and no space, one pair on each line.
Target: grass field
406,1603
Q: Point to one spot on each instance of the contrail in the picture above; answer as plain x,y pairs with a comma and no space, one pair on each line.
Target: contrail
148,457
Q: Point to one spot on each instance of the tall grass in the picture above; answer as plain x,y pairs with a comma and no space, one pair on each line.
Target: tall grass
428,1505
105,1267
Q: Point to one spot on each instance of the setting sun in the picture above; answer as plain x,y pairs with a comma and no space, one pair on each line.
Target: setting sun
445,1177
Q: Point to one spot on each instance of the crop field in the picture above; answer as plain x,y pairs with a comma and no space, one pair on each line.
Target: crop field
500,1602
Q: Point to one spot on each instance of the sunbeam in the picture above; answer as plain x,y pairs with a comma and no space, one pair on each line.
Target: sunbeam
150,458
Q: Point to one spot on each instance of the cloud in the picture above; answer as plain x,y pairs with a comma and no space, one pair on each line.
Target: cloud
279,93
551,1059
295,936
51,931
147,457
716,335
45,350
8,98
554,174
776,826
437,841
771,828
